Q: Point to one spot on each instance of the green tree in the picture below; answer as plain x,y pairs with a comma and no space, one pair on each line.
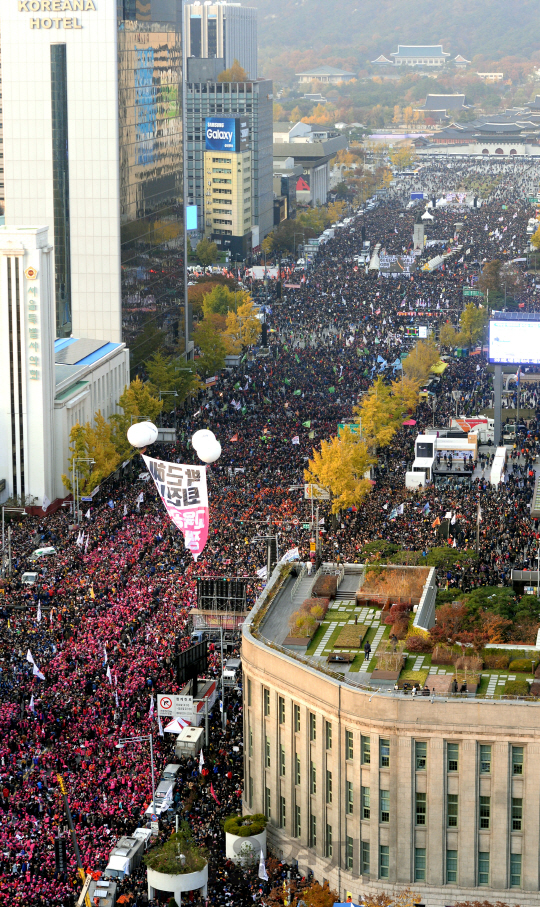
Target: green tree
79,451
212,348
150,339
206,252
169,374
222,300
138,404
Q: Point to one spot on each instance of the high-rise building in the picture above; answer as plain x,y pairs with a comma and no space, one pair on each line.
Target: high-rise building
222,30
206,97
93,148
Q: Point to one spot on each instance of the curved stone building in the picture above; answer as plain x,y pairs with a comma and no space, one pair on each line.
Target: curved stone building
377,791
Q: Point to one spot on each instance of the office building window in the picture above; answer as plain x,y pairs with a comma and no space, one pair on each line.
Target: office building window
312,778
452,810
312,726
60,172
517,760
297,821
485,811
267,752
250,741
296,768
384,752
364,857
348,852
366,810
328,735
515,870
328,786
485,759
282,812
421,809
266,702
384,861
281,710
517,813
452,756
328,841
281,759
483,868
419,864
249,691
349,798
385,805
349,751
297,719
312,831
420,753
267,810
451,866
366,750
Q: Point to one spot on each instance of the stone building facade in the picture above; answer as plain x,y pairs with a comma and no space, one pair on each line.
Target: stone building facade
377,792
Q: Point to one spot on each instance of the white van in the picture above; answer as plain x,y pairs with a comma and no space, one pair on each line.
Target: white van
28,579
42,552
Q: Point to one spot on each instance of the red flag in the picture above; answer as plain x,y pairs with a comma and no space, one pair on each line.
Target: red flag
234,438
212,791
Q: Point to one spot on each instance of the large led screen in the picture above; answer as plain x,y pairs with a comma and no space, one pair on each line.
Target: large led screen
514,342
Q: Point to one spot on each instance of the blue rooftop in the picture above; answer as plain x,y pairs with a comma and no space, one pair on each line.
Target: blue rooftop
70,351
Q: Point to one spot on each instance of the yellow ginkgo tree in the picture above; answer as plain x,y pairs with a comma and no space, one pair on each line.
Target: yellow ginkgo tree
340,467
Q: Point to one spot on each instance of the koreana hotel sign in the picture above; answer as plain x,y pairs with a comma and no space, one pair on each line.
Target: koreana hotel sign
56,6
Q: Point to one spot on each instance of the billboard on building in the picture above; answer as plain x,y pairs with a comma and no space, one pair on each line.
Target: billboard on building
227,134
514,342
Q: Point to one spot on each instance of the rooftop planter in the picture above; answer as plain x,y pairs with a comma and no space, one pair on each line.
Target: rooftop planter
245,838
177,856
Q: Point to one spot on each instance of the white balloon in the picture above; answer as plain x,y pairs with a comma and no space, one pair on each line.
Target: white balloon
209,451
142,434
201,436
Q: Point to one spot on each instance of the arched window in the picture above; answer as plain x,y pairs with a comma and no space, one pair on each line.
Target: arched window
513,151
499,151
485,151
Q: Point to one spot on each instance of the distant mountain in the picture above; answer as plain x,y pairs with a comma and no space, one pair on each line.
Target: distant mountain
350,32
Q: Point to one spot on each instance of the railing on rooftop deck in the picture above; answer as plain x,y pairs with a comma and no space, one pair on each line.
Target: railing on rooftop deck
298,580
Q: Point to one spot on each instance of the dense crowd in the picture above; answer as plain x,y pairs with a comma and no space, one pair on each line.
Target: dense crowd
103,622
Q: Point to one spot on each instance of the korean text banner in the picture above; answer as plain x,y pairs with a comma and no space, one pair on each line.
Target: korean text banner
183,491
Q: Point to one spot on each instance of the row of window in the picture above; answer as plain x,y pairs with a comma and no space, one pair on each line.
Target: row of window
452,812
420,746
383,869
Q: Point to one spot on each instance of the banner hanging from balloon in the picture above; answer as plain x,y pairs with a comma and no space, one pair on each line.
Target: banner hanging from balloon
182,489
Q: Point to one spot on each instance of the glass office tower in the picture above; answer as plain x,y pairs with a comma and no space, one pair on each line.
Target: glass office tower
93,148
151,176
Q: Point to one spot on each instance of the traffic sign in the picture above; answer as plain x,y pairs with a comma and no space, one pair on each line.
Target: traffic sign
468,291
173,706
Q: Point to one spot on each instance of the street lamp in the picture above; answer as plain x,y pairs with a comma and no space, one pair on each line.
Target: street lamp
146,738
23,513
76,481
172,394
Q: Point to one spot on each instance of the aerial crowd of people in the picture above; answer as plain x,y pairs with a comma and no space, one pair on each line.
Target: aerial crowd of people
104,621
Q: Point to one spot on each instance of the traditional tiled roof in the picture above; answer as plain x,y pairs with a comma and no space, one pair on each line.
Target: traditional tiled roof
419,50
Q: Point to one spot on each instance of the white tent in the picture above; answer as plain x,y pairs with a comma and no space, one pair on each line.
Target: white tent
177,725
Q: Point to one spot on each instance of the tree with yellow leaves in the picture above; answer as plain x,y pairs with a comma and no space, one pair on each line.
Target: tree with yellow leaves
403,155
91,442
405,897
417,365
473,323
235,73
448,336
397,114
243,326
535,239
278,112
340,467
380,413
335,211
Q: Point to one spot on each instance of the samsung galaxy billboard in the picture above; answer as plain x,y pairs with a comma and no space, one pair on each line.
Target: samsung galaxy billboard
227,134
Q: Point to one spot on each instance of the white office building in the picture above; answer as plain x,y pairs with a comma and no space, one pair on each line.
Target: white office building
92,148
46,386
